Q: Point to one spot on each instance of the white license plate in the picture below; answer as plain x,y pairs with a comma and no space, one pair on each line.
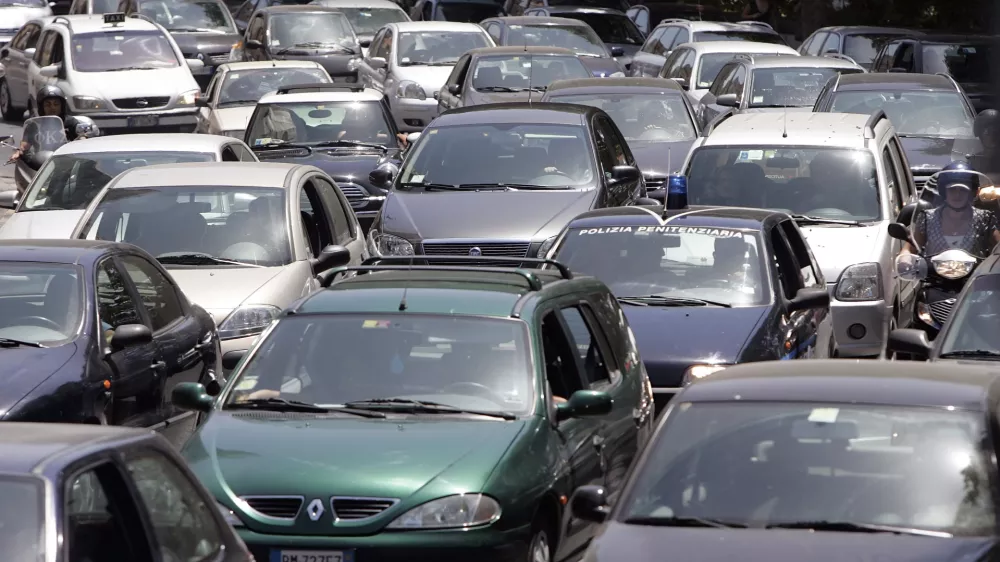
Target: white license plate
312,556
144,121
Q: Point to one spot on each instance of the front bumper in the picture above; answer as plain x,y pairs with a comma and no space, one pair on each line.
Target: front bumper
413,115
480,545
167,122
873,316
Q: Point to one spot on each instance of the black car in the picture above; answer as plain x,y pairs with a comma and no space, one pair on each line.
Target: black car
566,33
705,288
932,115
861,43
312,33
86,492
346,131
653,114
97,332
613,27
203,29
825,461
243,10
967,58
502,180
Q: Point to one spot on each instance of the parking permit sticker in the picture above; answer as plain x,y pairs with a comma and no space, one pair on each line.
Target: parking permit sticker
824,415
275,42
234,76
375,324
262,142
758,99
417,179
404,60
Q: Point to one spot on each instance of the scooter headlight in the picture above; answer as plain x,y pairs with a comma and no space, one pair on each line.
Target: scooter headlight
953,264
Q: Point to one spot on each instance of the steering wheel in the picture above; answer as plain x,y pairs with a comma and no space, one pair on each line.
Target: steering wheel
39,321
831,213
479,390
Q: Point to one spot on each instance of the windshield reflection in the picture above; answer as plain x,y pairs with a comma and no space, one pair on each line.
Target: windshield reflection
972,327
248,86
40,303
641,117
918,114
580,39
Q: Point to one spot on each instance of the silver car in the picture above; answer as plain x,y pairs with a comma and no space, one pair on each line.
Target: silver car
409,62
243,241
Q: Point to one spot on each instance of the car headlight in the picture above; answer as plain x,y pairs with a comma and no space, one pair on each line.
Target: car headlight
452,512
617,75
229,515
380,244
546,246
860,282
954,266
188,98
410,90
88,103
248,320
235,133
696,372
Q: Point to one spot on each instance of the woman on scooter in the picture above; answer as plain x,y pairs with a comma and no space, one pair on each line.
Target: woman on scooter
51,101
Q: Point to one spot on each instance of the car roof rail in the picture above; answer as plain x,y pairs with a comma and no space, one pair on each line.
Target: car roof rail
563,270
411,263
63,20
717,121
330,87
840,56
674,20
873,120
757,23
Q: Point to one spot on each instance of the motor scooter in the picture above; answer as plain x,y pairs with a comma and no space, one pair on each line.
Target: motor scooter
45,135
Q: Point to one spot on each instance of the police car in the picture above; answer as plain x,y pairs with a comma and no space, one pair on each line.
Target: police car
704,288
127,74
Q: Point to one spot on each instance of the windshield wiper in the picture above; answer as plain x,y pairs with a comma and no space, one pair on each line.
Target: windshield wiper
427,63
195,30
978,353
132,68
282,144
853,527
320,45
199,259
423,407
9,342
431,186
499,89
685,521
658,300
283,405
350,143
524,186
806,219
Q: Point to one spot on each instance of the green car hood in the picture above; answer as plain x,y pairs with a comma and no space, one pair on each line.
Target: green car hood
413,460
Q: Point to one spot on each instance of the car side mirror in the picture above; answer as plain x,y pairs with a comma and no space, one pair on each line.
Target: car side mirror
412,138
195,64
365,43
682,82
383,176
8,199
130,335
29,53
590,503
454,89
253,44
192,396
50,71
728,100
437,95
617,52
378,63
624,174
201,102
809,298
330,257
910,341
647,201
906,214
232,358
584,403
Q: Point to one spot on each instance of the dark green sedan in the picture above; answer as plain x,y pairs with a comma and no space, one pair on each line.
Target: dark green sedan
426,413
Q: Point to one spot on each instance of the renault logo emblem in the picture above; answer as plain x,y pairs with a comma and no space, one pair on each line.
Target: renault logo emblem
475,251
141,103
315,509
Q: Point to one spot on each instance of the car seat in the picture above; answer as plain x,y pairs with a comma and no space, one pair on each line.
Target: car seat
62,300
488,77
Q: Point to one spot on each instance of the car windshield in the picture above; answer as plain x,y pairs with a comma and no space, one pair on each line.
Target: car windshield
22,520
611,4
641,117
312,122
580,39
467,12
197,226
914,113
248,86
864,47
831,183
519,72
471,363
555,156
787,463
790,87
366,21
71,181
418,48
611,28
712,63
965,62
321,31
122,50
104,6
26,3
969,330
717,264
752,36
42,303
205,16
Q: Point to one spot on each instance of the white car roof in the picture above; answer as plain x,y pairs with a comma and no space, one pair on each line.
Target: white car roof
766,61
737,47
696,26
367,94
152,142
844,130
247,174
256,65
457,26
90,23
383,4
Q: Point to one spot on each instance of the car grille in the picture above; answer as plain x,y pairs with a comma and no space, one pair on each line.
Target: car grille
147,103
655,182
355,195
488,249
941,310
221,58
278,507
353,509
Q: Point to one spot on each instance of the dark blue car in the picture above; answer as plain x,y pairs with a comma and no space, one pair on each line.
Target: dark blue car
704,288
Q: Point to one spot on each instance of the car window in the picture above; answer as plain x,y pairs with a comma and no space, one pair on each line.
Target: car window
156,292
672,64
336,207
43,55
309,122
516,71
585,335
227,155
20,41
255,27
887,57
682,37
386,49
605,147
894,187
642,20
115,305
662,47
710,70
965,62
790,87
937,114
863,47
494,30
23,519
902,167
739,35
140,49
430,48
800,251
806,47
560,358
315,223
41,302
734,85
789,276
327,30
98,512
653,40
903,59
610,28
182,520
832,43
246,87
652,118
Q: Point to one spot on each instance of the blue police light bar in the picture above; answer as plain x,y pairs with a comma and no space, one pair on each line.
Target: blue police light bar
677,192
114,18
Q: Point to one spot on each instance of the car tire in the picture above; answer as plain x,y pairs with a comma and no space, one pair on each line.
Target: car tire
540,546
7,108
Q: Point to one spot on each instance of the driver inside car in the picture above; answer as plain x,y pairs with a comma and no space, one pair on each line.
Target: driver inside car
568,157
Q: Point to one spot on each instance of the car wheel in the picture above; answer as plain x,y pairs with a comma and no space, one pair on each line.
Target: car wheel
6,107
540,547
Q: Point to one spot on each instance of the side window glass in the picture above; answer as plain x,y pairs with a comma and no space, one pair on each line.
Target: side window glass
682,37
44,54
605,152
228,155
902,166
662,47
560,360
832,44
115,306
788,277
607,310
182,521
615,140
57,50
735,85
807,44
904,57
246,155
817,44
494,31
19,40
336,206
387,45
722,80
670,66
586,346
893,187
687,65
315,223
156,292
810,277
98,515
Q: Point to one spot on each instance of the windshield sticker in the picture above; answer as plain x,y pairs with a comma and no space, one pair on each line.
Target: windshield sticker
376,324
748,155
233,76
416,178
404,60
119,37
824,415
115,52
758,99
275,42
262,142
646,230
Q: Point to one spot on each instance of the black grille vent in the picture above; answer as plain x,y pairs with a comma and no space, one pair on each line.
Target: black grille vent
141,103
655,183
352,509
221,58
356,196
941,310
488,249
279,507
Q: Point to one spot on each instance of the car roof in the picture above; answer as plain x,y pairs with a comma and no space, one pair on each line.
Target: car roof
246,174
457,26
737,47
53,251
697,26
582,10
366,94
846,381
539,20
147,142
28,445
539,113
92,23
515,50
868,29
844,130
955,38
778,61
697,217
613,85
383,4
298,9
263,64
895,81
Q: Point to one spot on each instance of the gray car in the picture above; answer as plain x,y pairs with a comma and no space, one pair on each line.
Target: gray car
572,34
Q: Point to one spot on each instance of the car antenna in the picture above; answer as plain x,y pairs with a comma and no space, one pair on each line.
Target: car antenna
531,67
784,123
402,301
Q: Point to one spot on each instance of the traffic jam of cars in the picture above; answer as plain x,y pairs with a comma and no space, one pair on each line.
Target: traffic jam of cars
471,280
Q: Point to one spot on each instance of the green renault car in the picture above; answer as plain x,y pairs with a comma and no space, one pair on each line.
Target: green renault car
435,412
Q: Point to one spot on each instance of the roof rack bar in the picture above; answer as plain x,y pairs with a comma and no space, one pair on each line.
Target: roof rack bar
319,87
563,270
674,20
63,20
717,121
757,23
326,279
873,120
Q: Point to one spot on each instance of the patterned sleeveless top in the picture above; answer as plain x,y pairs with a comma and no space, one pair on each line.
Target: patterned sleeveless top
978,240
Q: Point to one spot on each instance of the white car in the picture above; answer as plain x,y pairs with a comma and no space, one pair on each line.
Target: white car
236,88
127,74
61,190
15,13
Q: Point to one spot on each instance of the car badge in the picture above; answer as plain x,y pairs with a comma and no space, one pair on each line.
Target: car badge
141,103
315,509
475,251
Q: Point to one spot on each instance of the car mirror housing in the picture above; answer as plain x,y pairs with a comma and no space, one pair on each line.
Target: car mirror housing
253,44
195,64
192,396
50,71
906,214
910,341
625,174
617,52
590,503
809,298
454,89
383,176
728,100
365,43
377,63
331,256
584,403
130,335
201,102
8,199
232,358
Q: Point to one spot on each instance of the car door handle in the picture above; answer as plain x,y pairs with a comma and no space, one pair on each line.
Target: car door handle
598,441
158,366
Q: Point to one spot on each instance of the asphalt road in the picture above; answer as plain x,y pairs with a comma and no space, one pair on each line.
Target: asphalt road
7,172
